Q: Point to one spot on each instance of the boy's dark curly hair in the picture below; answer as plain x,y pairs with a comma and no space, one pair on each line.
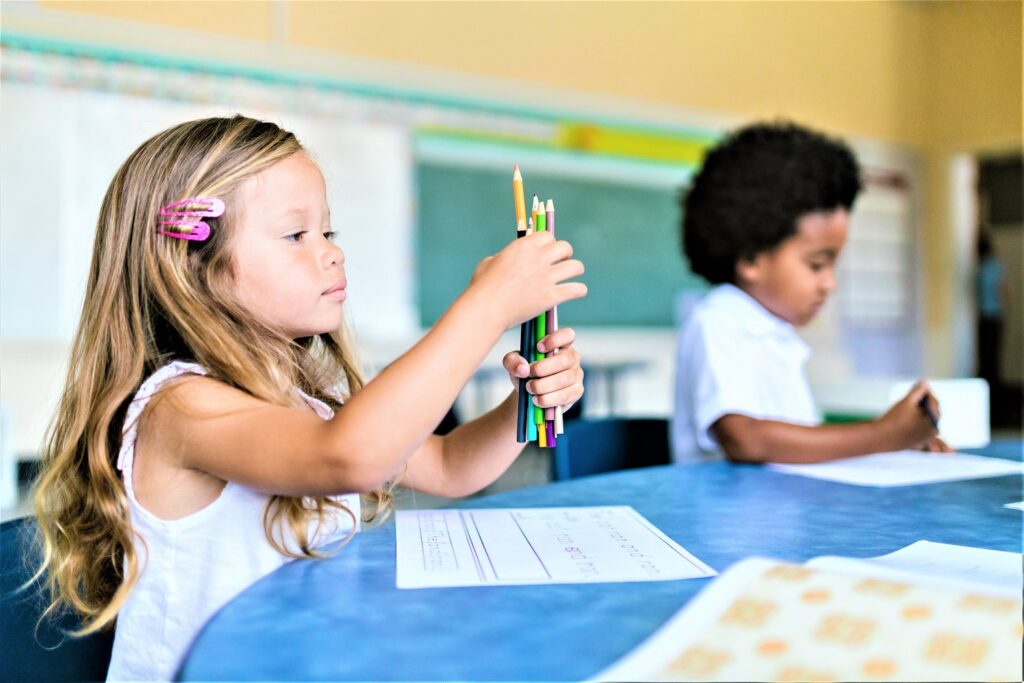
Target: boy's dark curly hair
752,189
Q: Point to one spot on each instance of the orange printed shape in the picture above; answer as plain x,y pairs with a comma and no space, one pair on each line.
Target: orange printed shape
748,612
917,612
951,648
881,587
788,572
986,603
699,661
816,596
879,668
844,629
773,647
795,673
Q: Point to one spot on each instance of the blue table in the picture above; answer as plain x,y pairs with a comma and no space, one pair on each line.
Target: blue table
343,618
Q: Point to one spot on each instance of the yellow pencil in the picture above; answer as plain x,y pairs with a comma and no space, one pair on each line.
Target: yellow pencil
517,193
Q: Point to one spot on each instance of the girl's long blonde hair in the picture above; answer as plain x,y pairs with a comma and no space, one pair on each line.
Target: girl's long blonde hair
151,299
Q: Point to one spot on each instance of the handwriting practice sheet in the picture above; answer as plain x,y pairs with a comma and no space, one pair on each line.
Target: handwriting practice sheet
494,547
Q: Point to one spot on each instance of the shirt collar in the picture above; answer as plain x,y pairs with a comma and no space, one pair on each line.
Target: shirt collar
757,320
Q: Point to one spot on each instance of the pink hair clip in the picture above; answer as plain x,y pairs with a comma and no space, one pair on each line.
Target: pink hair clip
185,214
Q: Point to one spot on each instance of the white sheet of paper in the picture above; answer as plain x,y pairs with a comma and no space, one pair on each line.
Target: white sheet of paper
1015,506
494,547
942,564
963,409
904,468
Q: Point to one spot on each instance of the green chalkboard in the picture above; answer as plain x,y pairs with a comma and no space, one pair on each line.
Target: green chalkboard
627,235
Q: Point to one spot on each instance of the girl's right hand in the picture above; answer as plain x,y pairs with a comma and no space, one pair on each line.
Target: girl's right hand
528,277
907,421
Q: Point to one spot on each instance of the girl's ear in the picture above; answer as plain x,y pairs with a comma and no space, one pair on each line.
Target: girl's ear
750,270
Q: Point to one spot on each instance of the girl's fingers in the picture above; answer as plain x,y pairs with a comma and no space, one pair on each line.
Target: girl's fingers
558,251
558,362
556,340
568,291
562,397
556,382
515,364
567,270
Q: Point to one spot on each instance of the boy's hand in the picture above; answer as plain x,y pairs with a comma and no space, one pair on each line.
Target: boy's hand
936,445
557,379
908,423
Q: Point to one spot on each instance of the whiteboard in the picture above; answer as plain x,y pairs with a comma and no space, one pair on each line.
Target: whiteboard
62,147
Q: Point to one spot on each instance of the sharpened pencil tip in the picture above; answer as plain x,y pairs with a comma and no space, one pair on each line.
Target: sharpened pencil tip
550,206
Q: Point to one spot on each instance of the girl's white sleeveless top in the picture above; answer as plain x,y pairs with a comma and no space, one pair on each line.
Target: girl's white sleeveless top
194,565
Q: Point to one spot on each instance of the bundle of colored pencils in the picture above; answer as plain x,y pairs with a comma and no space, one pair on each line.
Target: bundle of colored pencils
542,425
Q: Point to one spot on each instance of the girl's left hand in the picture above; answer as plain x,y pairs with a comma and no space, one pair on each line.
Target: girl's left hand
556,380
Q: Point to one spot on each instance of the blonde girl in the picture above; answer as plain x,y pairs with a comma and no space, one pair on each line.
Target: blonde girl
201,440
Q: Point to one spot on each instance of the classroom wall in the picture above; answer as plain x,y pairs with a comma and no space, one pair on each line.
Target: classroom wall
973,103
911,72
943,78
847,66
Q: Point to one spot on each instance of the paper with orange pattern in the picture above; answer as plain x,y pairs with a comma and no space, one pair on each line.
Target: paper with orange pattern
765,620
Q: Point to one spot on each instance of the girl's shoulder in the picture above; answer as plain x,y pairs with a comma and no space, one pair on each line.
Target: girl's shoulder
156,381
178,370
166,373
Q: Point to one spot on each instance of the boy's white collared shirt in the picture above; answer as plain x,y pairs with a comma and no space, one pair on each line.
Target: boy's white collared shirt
735,357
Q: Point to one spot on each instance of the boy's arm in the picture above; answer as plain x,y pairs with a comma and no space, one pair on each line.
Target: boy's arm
748,439
905,425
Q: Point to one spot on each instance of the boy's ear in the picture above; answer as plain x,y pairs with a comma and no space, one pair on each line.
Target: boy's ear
749,270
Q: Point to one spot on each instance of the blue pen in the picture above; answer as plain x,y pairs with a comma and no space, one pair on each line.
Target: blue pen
925,405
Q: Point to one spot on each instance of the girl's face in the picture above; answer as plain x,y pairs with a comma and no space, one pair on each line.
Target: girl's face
287,270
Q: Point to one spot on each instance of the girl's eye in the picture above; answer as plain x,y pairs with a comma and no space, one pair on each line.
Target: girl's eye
330,235
818,267
295,236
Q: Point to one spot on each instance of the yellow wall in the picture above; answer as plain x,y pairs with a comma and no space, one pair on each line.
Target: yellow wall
940,77
911,72
974,74
754,59
850,67
972,104
249,20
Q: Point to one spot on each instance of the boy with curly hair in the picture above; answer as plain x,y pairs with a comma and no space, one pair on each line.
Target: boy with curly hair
765,220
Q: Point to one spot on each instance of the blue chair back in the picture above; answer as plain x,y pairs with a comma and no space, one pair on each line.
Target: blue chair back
596,446
46,654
